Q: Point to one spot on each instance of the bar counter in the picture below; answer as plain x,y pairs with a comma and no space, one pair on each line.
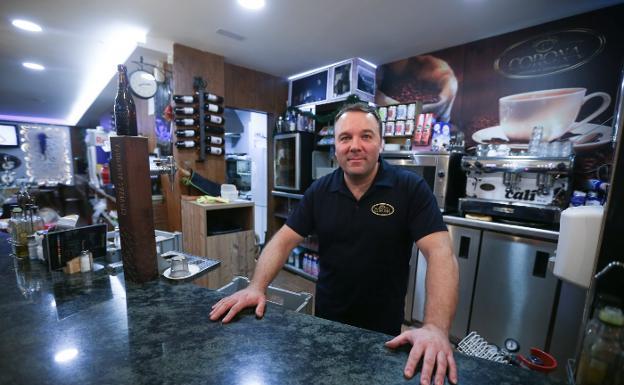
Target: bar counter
93,328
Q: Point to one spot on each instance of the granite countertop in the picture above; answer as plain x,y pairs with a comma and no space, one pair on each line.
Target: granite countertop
94,328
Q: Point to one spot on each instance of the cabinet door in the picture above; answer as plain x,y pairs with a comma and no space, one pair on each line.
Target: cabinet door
465,243
514,292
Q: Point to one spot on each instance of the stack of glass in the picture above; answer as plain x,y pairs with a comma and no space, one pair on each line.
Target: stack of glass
543,149
536,146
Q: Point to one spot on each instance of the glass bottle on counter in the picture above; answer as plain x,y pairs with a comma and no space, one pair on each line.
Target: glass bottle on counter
124,109
602,350
19,233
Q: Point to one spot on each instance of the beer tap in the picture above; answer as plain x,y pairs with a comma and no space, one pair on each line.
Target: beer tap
165,166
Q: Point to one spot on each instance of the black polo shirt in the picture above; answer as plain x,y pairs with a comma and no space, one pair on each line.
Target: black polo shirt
365,246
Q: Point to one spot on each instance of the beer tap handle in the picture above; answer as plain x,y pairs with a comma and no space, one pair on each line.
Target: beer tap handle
166,166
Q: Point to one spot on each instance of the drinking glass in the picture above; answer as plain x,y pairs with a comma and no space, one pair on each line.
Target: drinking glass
179,266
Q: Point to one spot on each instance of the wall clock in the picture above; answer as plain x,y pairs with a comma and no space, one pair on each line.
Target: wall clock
143,84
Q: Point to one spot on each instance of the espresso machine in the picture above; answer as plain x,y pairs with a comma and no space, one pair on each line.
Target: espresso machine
518,189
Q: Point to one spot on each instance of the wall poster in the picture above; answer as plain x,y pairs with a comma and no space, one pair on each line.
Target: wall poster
562,76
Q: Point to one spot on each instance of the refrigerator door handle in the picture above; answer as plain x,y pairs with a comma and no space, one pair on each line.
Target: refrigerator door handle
540,266
464,247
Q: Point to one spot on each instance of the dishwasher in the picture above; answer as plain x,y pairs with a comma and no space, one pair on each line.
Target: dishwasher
514,293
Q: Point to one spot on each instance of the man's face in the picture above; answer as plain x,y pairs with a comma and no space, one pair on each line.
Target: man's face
358,143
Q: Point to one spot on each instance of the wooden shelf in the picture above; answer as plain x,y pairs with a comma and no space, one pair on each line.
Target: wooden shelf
286,195
281,215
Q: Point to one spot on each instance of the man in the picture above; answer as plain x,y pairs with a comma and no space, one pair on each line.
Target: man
367,215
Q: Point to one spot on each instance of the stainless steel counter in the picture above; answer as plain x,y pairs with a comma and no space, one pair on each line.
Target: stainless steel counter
503,227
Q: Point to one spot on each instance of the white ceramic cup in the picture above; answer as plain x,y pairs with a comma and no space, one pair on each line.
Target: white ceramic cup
555,110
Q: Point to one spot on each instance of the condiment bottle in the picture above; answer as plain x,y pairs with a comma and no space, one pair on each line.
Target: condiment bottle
85,261
18,229
602,354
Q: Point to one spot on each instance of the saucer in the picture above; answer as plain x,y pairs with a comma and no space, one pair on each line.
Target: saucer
193,269
485,135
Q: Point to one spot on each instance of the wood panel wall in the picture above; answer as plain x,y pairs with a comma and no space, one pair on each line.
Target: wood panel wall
249,89
242,88
187,63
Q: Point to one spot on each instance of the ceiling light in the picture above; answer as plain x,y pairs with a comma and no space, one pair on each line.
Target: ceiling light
66,355
369,63
33,66
252,4
118,43
26,25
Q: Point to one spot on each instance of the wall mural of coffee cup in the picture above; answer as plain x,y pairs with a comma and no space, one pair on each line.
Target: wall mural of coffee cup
554,110
562,76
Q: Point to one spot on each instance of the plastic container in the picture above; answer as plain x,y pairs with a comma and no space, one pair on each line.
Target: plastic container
298,302
165,242
229,192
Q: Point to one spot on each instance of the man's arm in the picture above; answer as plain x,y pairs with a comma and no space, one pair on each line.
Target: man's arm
442,280
269,263
430,343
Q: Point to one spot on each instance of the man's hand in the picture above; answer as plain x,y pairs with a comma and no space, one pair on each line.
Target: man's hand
430,344
238,301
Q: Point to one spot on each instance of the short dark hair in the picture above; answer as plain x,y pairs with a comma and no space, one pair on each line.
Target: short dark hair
361,107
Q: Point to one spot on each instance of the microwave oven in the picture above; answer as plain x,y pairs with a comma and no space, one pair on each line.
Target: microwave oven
292,163
441,171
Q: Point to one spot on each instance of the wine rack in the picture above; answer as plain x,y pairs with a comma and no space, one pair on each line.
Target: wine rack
206,130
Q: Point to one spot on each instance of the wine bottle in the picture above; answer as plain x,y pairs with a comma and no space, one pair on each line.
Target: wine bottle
194,98
186,133
219,130
185,98
215,119
215,109
215,150
186,144
210,119
214,140
124,109
186,122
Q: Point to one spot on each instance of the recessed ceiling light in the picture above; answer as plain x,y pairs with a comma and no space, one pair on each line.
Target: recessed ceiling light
251,4
26,25
33,66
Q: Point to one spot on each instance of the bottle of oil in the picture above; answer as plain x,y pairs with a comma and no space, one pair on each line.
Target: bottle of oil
18,228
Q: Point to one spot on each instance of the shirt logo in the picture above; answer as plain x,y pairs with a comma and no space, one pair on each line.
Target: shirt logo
382,209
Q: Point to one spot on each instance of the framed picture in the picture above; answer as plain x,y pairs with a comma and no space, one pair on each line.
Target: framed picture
399,128
409,127
391,113
9,135
411,111
383,113
342,79
389,131
365,80
312,88
401,113
47,157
